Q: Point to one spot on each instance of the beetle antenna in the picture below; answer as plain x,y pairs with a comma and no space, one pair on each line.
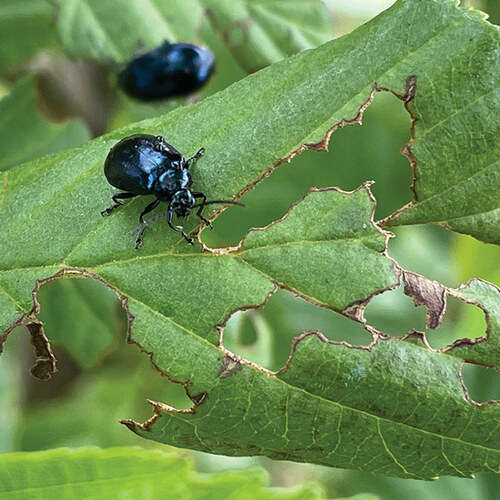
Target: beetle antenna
211,202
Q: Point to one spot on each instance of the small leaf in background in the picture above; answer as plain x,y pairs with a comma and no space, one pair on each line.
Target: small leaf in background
261,32
131,473
257,33
26,134
25,28
95,29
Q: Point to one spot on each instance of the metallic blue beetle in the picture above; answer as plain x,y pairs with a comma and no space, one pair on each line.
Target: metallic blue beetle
171,70
145,164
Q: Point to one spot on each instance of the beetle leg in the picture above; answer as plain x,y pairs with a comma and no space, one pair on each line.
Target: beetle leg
180,229
144,225
197,194
118,199
198,154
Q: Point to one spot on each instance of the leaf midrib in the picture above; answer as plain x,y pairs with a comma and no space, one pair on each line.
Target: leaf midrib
236,255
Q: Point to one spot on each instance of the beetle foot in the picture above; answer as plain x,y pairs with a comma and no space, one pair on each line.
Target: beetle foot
138,243
108,210
207,222
187,238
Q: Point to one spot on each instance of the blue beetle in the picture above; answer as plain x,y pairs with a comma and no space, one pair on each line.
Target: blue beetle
171,70
145,164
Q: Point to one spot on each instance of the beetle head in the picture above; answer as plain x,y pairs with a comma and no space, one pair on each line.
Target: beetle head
182,202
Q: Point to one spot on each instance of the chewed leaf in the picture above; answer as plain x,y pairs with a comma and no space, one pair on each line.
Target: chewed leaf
327,407
475,347
455,149
312,250
373,408
483,349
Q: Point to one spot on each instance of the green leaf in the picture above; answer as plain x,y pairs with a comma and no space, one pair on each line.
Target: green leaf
26,134
327,407
311,251
257,32
455,144
106,393
94,28
10,396
397,408
130,473
25,28
483,348
260,32
493,9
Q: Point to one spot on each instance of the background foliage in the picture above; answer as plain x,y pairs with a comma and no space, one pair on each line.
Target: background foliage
96,371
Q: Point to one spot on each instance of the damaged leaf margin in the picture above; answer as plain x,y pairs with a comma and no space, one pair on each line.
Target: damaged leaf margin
483,349
347,413
457,188
321,145
361,236
229,367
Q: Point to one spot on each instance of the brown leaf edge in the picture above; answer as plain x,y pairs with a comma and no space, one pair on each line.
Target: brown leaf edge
424,292
316,146
407,97
46,362
231,362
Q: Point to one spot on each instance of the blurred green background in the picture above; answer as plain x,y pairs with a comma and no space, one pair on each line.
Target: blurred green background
101,379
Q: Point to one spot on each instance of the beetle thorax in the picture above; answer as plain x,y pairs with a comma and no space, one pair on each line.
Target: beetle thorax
170,182
182,202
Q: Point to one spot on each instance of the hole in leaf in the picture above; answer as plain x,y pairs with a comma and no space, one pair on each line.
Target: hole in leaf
83,316
394,313
424,250
461,320
471,257
483,384
265,336
356,154
82,402
85,410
